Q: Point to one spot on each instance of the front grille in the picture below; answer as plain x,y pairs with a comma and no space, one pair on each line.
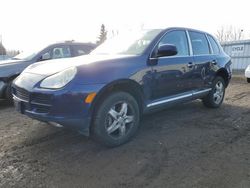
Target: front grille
22,94
37,102
41,103
41,98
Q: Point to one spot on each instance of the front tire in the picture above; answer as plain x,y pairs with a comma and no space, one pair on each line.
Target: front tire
248,80
215,97
116,119
8,93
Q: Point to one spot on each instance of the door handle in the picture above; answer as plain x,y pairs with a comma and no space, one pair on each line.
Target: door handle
190,64
214,62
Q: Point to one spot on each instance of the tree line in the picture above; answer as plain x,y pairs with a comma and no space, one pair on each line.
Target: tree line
229,33
10,53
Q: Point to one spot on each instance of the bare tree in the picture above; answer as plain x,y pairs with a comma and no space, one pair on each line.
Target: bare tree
12,53
226,34
2,49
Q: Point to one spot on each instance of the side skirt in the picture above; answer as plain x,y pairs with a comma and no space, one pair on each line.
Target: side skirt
180,98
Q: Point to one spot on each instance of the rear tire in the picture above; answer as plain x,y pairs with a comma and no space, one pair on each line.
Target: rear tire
215,97
248,80
116,119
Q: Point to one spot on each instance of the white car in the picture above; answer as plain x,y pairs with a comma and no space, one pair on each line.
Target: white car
247,73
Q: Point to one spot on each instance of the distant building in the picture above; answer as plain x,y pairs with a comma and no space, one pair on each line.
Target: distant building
239,52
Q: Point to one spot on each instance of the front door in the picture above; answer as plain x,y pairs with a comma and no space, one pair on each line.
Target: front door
172,75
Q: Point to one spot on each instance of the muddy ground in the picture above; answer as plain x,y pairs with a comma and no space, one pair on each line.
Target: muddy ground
185,146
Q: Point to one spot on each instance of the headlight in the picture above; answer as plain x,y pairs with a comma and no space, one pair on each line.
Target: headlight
60,79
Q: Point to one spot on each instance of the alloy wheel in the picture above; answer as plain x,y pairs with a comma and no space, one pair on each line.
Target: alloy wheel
119,120
218,92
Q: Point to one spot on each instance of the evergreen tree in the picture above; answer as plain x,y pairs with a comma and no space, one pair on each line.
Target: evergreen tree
103,35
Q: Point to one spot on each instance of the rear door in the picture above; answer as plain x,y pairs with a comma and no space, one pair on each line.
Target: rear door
216,56
202,59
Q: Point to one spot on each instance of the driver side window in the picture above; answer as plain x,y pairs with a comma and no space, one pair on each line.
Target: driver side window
56,53
61,52
177,38
45,56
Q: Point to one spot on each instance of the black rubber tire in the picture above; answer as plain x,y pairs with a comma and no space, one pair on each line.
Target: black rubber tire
208,101
8,93
248,80
98,131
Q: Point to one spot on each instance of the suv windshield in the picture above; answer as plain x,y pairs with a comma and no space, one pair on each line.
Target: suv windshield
129,44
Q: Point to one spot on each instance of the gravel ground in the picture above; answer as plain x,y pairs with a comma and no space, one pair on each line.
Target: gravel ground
185,146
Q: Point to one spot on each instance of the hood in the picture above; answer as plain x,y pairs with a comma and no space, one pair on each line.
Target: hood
9,68
10,62
54,66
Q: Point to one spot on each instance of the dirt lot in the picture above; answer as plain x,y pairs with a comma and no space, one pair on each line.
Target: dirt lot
186,146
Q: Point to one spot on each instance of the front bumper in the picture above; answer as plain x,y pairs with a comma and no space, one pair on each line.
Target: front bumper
247,72
66,107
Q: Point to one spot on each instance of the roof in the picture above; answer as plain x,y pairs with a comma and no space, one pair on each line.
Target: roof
186,28
72,42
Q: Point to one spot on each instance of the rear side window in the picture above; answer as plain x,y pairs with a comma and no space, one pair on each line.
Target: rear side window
214,45
179,39
199,43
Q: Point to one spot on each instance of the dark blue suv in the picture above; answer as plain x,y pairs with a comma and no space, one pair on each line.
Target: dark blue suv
105,93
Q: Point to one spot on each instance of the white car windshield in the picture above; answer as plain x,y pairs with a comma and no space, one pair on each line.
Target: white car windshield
28,55
127,44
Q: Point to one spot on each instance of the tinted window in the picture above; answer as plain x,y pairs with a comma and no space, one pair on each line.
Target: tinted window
214,45
61,52
199,43
55,53
179,39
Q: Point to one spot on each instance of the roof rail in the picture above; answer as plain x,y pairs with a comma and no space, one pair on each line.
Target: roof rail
69,41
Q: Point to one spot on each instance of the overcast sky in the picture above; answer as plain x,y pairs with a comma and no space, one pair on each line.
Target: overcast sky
28,24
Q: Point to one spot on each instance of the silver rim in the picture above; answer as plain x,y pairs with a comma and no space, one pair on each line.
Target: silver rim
119,120
219,92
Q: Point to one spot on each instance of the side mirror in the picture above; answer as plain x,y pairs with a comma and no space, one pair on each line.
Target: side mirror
166,50
45,56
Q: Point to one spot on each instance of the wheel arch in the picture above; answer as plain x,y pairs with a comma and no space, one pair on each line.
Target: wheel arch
224,74
126,85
